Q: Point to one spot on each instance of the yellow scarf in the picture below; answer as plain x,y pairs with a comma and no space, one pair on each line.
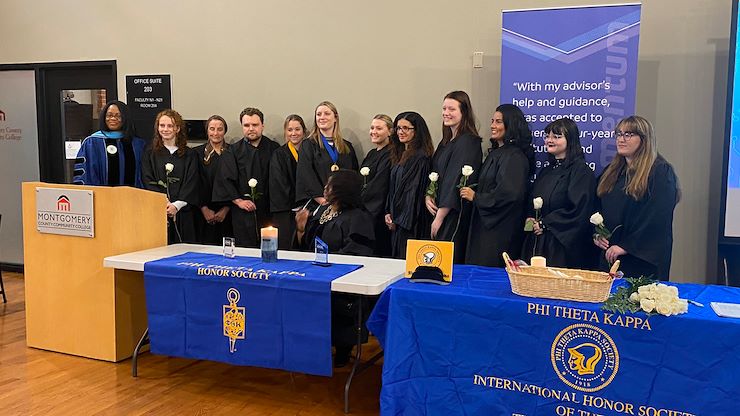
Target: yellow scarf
293,151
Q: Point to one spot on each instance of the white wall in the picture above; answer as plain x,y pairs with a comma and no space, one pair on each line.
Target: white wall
387,56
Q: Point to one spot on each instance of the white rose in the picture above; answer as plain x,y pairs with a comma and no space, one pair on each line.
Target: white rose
646,290
635,297
169,167
679,306
672,290
111,149
665,298
537,202
467,170
252,183
365,171
663,308
647,305
434,176
597,219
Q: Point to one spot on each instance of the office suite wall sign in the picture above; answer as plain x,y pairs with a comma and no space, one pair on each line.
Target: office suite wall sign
65,212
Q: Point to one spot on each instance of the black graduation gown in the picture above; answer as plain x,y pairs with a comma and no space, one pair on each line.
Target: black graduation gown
282,195
212,234
568,191
408,185
314,168
448,161
265,150
497,219
351,232
184,189
646,231
375,195
239,163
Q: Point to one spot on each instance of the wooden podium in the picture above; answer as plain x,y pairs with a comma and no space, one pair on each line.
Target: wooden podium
75,305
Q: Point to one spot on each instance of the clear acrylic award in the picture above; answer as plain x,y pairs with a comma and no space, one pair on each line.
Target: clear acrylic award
229,245
322,252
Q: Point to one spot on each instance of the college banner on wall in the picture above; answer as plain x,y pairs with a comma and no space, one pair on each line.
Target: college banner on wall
19,155
577,62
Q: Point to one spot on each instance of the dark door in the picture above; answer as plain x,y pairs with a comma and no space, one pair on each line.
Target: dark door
66,120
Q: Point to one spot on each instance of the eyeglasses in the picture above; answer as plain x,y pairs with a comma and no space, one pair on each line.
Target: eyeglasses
626,135
404,129
112,116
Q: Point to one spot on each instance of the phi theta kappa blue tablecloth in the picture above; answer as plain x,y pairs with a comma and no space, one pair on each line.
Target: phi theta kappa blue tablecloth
242,311
474,348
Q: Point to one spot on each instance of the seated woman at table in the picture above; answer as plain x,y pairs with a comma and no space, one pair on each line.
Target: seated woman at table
497,218
637,194
169,166
214,220
347,228
343,223
376,171
566,188
112,155
411,159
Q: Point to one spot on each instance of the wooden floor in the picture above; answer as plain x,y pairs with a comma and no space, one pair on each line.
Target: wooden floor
37,382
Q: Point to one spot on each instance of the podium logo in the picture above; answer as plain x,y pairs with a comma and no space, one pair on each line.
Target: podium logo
63,204
234,318
585,357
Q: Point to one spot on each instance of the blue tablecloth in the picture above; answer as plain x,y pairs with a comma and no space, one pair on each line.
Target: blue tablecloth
475,348
242,311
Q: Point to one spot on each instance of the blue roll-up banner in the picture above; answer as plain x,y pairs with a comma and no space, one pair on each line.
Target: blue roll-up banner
577,62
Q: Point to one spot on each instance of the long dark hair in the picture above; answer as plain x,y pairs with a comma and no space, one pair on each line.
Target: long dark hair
345,189
467,123
421,143
569,129
517,131
127,126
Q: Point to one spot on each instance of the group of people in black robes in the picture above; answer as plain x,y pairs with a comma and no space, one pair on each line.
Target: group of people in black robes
408,190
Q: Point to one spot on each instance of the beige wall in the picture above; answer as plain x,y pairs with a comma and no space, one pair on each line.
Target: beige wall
387,56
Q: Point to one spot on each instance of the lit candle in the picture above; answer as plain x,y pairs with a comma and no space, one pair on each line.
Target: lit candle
269,244
539,261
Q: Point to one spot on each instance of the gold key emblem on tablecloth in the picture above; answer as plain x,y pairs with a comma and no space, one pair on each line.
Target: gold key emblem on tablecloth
234,319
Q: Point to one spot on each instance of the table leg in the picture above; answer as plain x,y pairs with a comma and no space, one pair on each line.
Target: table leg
134,359
358,367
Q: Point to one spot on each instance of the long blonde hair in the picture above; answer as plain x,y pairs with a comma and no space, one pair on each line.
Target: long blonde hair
337,136
638,171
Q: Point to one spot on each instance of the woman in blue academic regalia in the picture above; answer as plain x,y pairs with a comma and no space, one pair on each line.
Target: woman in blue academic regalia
112,155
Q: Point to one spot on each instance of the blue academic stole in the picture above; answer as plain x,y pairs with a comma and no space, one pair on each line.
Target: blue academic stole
333,153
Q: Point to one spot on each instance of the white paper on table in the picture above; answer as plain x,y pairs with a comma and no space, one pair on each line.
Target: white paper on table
71,148
726,310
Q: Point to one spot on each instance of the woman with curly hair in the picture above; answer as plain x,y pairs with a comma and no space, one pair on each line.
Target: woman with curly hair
171,167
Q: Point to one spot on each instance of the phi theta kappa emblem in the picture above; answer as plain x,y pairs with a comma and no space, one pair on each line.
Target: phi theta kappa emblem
234,319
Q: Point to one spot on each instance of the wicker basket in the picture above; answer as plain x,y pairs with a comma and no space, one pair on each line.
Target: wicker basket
541,282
